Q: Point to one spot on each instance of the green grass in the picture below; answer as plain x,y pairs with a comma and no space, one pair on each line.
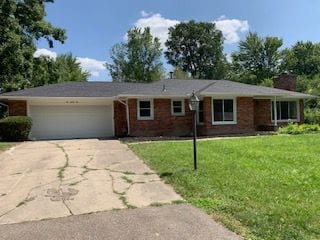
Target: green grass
262,188
5,145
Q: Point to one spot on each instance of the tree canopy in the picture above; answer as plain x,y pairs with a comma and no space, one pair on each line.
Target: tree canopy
64,68
137,59
302,59
21,23
257,59
196,48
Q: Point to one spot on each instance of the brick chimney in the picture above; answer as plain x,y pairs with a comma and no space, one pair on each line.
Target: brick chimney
285,81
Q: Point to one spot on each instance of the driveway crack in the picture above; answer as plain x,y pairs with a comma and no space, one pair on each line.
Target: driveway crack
63,168
61,173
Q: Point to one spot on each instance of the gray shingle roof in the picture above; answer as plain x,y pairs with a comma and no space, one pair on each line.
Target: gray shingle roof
170,87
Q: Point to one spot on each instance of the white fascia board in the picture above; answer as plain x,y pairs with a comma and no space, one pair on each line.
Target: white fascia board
65,101
207,94
260,96
52,98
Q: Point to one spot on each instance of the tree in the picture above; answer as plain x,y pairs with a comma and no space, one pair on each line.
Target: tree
178,73
302,59
64,68
138,59
22,22
196,48
257,59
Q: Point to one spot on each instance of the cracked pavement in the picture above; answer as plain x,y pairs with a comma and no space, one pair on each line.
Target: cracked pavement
51,179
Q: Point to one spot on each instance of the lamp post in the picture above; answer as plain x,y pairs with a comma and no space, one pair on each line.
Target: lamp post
194,105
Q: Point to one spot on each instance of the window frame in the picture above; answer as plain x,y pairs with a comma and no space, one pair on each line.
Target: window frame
182,113
151,117
286,120
198,113
234,111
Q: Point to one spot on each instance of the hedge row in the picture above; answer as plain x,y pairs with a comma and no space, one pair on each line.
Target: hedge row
293,128
15,128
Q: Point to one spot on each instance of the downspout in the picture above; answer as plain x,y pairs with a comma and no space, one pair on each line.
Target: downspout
127,114
128,118
275,111
5,105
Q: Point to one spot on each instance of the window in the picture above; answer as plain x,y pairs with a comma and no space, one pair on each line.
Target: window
286,110
145,110
177,107
224,111
200,112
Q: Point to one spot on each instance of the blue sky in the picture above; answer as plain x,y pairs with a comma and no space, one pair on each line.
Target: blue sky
94,26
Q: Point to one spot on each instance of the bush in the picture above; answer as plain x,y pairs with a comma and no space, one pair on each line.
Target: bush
293,128
15,128
312,116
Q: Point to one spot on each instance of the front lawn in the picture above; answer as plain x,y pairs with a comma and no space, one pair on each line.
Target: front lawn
5,145
262,188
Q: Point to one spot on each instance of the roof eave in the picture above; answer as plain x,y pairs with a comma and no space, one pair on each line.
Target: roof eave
153,96
258,95
43,97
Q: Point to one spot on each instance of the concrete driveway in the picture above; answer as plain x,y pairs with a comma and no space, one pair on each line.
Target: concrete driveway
51,179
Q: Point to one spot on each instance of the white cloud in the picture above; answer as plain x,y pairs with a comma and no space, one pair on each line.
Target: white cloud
229,58
159,26
145,14
93,66
231,28
45,52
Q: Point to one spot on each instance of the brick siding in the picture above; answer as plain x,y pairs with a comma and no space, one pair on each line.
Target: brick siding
262,116
286,82
17,108
245,118
164,123
120,119
301,111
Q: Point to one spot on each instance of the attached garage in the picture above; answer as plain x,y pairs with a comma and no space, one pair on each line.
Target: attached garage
65,121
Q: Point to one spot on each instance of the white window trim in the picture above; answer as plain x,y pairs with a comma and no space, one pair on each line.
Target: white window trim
287,120
182,107
198,115
234,111
151,117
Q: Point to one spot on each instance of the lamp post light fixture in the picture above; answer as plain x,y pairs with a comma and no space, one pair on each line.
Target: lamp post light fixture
194,105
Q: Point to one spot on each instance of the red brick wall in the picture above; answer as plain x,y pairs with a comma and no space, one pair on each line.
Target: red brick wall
120,119
245,118
262,114
301,111
286,82
17,108
164,124
251,113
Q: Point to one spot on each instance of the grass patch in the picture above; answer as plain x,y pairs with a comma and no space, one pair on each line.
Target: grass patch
178,202
128,180
66,164
157,204
126,203
129,173
25,201
262,188
6,145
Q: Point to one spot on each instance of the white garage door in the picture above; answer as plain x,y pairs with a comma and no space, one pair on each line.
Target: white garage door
62,122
